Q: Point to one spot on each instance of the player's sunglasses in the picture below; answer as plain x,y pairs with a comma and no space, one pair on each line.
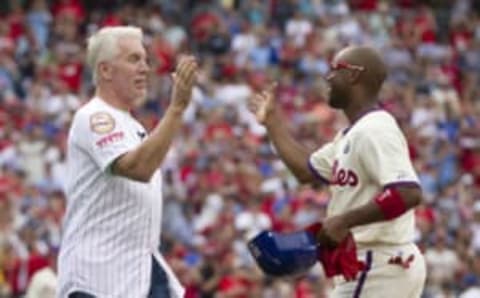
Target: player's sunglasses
345,65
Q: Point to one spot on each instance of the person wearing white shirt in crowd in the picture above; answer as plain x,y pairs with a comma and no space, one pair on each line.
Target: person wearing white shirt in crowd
44,282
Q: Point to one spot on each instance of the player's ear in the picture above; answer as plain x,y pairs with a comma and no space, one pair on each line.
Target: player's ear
105,70
354,76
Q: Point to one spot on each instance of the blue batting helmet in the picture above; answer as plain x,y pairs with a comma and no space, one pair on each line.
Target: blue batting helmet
284,254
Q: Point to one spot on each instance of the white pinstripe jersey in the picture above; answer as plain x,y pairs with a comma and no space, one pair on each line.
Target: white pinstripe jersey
358,164
112,224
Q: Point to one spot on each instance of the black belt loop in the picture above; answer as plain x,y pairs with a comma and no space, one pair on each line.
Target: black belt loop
78,294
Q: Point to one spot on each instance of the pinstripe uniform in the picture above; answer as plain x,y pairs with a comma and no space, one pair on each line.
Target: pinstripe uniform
358,164
112,224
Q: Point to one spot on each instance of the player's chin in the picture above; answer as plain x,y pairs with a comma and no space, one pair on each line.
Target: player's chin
141,92
140,99
335,100
333,103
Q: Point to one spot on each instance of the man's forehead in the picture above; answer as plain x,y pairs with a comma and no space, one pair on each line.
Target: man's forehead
131,44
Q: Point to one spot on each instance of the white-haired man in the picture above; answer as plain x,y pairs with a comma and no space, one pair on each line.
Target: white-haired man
111,228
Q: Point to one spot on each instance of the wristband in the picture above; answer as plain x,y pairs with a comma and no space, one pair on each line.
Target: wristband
391,203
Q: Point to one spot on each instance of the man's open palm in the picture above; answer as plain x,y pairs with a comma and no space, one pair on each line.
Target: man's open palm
184,79
262,103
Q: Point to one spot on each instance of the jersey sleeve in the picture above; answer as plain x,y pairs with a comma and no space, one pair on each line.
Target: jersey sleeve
321,161
104,136
384,154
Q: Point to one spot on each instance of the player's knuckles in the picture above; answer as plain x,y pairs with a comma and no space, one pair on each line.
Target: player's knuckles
182,66
180,63
190,63
185,66
187,57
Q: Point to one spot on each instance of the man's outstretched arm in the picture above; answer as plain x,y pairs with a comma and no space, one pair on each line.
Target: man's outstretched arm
293,154
140,163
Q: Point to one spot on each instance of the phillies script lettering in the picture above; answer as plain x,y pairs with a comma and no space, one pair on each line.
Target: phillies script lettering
343,177
111,138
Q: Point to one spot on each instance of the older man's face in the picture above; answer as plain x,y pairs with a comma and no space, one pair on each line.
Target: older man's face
130,71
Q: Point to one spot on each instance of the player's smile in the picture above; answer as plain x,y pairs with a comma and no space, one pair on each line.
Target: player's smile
141,84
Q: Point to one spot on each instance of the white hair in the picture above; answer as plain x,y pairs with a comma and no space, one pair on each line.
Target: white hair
103,45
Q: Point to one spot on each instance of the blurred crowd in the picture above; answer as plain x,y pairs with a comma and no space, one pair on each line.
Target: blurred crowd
223,180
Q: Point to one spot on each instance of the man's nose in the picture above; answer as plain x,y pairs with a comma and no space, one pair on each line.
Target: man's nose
144,67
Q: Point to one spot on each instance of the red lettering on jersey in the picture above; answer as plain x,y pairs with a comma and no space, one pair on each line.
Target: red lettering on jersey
343,177
111,138
352,178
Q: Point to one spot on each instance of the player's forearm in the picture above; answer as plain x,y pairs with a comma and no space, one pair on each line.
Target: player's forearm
293,154
366,214
372,212
140,164
157,145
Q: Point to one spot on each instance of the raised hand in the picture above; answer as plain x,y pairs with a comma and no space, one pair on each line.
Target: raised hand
184,78
262,104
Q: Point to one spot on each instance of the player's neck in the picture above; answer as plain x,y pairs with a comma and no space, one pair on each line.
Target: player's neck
109,96
356,111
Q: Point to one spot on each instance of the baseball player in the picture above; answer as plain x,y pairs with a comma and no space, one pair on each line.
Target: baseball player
111,229
373,184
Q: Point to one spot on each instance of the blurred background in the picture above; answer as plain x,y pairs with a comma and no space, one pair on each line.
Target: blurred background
223,181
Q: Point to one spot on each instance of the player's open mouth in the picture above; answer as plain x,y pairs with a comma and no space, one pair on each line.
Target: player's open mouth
140,84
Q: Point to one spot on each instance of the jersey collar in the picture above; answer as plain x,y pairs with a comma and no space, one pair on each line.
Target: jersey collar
375,108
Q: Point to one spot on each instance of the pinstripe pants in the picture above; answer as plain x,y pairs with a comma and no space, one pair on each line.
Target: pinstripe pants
158,284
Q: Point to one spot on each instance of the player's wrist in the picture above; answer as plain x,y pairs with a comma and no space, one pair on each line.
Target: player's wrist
314,230
271,118
349,220
176,109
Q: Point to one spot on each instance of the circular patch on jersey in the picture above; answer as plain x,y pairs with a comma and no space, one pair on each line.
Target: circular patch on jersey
102,122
